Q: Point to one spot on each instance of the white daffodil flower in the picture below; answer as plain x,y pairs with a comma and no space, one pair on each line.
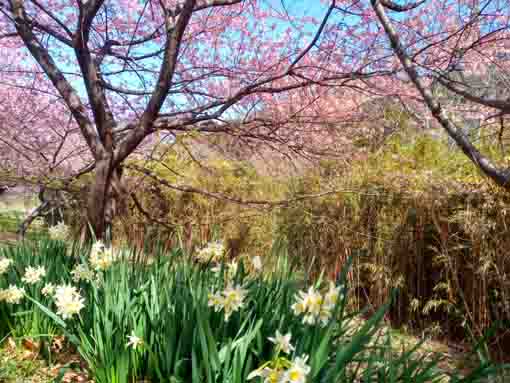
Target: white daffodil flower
282,342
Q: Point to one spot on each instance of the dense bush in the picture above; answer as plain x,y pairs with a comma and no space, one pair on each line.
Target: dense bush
415,214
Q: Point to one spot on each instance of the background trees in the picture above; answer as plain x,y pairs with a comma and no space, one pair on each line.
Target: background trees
128,76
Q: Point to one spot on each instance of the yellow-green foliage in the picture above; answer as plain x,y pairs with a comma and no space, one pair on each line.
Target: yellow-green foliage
418,165
415,214
196,218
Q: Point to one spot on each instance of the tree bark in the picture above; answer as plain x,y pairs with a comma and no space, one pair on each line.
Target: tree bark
99,195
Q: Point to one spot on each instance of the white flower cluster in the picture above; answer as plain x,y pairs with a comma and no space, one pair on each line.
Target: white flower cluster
229,300
315,306
59,232
297,372
213,252
4,264
33,275
282,370
12,295
82,272
101,257
68,300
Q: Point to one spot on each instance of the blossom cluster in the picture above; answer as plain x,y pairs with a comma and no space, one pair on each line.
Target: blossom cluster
67,298
48,290
33,275
82,272
4,264
101,257
213,252
296,372
12,294
59,232
316,307
229,300
280,369
68,301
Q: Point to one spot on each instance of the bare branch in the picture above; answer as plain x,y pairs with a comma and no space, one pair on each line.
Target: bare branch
175,32
8,35
224,197
52,16
504,106
392,6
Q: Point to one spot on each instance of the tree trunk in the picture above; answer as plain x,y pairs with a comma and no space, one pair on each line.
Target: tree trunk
99,195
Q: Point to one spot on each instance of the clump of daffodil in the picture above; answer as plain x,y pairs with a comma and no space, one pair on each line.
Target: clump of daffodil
101,257
33,274
4,264
267,374
12,295
281,369
316,307
229,300
59,232
213,252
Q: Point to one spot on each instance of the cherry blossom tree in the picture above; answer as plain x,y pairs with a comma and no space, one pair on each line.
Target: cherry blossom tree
127,70
116,75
